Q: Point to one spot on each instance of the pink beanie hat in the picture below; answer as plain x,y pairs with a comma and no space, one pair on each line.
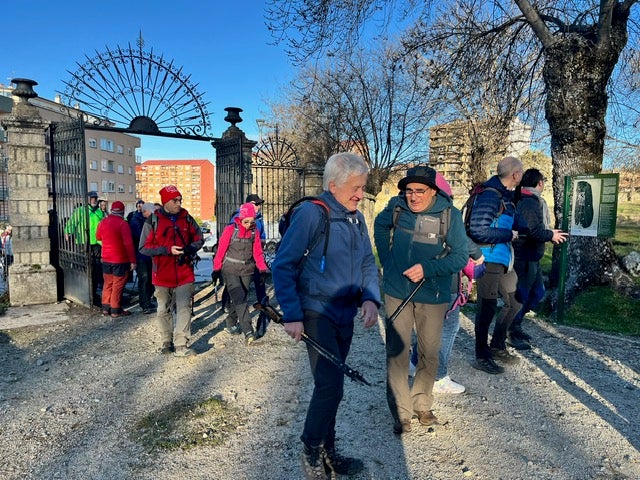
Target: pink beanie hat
247,210
442,184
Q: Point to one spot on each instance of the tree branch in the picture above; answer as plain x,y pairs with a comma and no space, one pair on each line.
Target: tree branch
537,24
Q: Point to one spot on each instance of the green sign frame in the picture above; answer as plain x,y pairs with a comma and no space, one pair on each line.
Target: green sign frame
593,205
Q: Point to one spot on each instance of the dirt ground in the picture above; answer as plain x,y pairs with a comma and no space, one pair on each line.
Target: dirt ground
72,391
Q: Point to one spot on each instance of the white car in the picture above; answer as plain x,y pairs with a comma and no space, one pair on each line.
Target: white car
210,244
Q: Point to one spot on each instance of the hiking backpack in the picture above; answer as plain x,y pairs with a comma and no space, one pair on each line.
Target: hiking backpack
432,233
322,230
467,208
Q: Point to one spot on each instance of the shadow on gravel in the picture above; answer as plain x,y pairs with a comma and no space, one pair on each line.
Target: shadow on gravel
596,369
591,368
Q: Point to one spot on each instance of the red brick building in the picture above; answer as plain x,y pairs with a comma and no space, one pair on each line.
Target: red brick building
194,178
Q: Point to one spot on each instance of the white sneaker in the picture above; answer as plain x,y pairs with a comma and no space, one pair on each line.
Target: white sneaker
446,385
412,369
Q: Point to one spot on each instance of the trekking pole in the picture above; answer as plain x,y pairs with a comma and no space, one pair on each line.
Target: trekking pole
275,316
404,303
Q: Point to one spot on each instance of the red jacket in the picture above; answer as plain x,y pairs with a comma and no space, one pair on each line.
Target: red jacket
117,244
157,238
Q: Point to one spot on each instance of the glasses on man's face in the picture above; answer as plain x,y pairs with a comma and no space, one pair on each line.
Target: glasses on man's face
176,200
418,192
247,223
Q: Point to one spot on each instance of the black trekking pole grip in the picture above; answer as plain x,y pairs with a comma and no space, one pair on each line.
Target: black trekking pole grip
276,317
404,303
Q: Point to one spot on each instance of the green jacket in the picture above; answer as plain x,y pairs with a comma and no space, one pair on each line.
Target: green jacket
409,248
76,225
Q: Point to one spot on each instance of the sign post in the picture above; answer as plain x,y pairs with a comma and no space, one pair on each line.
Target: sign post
590,209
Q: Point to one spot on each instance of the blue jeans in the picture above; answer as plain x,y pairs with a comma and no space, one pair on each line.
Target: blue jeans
450,329
529,291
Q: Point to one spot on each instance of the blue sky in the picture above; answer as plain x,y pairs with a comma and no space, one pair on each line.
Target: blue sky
224,45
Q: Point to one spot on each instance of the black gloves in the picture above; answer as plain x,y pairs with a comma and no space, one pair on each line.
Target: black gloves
215,276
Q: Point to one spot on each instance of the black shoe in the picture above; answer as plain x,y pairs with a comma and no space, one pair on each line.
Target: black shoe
504,356
401,426
167,347
519,342
249,338
149,310
313,463
487,365
342,465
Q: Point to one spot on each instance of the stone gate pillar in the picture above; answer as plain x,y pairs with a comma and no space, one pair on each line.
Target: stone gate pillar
233,168
32,279
313,180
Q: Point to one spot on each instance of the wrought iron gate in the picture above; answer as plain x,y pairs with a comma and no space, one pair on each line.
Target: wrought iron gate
69,186
278,179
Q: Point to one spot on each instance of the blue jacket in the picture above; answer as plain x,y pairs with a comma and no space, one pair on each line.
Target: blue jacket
350,274
135,224
492,229
406,251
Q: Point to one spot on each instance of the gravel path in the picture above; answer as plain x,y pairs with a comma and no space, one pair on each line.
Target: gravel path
71,391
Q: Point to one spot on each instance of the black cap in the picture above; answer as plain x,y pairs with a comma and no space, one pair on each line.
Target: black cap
92,194
253,198
421,174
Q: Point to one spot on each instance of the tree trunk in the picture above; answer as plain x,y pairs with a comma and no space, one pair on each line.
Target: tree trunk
576,72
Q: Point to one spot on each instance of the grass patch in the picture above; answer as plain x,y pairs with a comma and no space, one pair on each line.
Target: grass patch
187,424
627,239
600,308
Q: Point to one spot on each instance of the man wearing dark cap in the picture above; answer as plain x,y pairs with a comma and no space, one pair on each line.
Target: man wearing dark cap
138,209
77,227
419,235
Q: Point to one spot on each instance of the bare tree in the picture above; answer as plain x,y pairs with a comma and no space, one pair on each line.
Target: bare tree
371,103
579,44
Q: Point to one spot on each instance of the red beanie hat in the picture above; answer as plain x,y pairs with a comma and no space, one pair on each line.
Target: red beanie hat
168,193
117,207
247,210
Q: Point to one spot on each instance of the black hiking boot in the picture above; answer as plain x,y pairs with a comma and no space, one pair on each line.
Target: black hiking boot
340,464
313,463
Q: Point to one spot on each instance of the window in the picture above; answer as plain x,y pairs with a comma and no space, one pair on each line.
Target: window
130,171
120,168
93,166
119,149
120,188
108,166
130,188
129,151
106,144
108,186
93,143
93,186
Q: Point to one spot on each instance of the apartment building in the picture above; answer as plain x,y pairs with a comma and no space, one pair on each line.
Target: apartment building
450,150
110,156
194,178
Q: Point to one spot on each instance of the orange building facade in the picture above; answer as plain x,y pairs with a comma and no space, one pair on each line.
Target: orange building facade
194,178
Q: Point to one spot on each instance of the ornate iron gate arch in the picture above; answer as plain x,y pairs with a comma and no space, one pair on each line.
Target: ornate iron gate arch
134,91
